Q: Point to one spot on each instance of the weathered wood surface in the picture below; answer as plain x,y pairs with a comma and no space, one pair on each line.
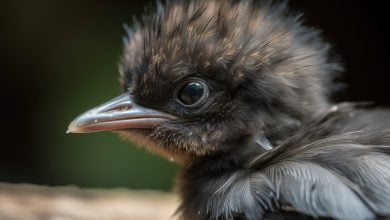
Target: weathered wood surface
32,202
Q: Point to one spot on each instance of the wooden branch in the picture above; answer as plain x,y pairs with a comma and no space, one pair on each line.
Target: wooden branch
32,202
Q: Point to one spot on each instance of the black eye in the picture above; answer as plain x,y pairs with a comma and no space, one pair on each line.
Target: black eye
191,94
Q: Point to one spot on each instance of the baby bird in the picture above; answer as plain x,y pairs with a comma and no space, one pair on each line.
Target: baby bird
236,91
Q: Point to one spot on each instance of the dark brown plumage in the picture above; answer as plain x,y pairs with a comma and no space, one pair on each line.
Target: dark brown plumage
237,92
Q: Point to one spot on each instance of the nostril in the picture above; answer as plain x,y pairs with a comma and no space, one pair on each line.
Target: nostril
119,107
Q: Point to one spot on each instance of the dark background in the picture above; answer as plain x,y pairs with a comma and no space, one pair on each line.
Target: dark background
58,58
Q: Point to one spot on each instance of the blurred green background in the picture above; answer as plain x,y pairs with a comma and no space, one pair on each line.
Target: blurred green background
59,58
64,57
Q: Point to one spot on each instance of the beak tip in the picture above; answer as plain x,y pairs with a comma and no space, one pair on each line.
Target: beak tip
73,128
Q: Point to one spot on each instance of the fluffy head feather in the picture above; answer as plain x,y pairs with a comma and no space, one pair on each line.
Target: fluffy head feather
266,71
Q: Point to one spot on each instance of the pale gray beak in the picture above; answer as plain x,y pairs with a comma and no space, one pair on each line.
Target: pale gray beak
116,114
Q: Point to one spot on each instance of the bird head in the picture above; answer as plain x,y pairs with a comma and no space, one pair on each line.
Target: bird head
209,76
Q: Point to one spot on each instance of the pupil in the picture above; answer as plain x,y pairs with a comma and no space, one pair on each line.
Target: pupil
191,93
